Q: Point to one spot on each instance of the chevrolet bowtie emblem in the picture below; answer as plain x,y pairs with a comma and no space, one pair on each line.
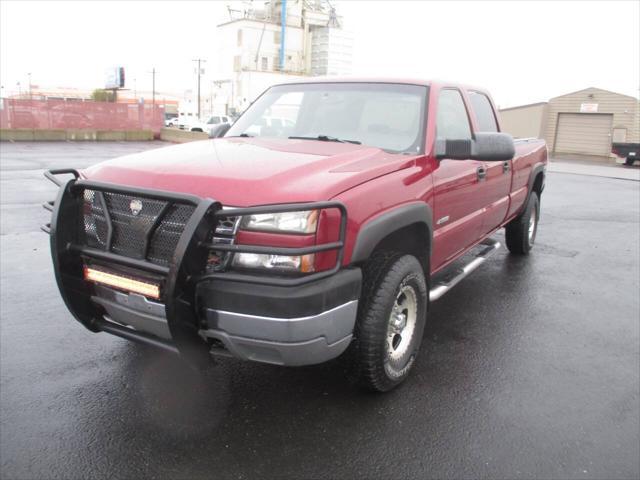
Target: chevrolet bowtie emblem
135,206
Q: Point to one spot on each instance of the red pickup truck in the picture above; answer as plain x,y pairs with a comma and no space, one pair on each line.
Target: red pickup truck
293,243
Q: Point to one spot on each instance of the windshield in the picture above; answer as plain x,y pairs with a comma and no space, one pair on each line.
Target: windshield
383,115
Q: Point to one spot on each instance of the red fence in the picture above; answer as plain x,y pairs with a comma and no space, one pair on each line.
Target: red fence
70,114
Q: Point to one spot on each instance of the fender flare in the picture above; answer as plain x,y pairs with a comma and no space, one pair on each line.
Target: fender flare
379,227
541,167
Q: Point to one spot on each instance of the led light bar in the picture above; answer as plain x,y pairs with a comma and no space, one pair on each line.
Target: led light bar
123,283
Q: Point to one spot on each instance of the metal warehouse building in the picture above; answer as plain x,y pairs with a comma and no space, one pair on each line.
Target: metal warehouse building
580,125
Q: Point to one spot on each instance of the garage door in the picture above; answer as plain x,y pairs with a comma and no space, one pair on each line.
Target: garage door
584,133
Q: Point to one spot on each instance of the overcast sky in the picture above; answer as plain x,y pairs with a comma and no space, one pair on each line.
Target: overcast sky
522,52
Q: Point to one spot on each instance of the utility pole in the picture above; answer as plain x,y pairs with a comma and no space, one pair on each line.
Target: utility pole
30,95
153,93
199,60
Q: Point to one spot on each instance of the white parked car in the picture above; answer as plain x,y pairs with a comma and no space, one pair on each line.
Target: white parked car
185,121
210,125
171,122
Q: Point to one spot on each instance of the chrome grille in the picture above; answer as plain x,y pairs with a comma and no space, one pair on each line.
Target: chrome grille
226,225
224,234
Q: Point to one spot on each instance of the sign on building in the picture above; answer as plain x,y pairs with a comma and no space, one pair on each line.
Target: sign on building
589,108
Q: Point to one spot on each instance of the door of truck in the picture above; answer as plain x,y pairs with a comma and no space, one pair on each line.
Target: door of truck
493,191
457,213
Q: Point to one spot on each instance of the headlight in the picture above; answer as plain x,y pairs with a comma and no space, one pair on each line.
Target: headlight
288,222
303,263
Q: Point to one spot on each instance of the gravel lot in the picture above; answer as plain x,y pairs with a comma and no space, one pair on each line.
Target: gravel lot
530,367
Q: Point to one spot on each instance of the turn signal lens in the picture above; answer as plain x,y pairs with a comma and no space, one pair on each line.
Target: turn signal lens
302,263
123,283
307,263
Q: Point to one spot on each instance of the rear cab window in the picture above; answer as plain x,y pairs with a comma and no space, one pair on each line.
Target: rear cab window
483,110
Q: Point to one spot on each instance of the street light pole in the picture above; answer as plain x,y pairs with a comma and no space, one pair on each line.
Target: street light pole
199,60
153,94
30,95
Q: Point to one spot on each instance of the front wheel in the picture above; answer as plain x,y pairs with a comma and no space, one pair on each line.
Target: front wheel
391,321
520,233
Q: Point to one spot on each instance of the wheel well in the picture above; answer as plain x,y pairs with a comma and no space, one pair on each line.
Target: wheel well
537,184
413,239
196,129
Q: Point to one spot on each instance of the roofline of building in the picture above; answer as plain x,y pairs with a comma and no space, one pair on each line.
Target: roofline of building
523,106
594,88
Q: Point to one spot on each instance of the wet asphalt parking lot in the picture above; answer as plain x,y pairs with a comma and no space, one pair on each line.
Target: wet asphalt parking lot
530,367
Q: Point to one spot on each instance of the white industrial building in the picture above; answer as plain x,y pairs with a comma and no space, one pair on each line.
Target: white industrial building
580,125
256,49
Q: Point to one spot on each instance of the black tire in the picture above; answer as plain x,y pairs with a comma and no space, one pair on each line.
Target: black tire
519,239
629,161
378,359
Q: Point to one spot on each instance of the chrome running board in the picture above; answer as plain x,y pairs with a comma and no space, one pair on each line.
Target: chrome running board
489,245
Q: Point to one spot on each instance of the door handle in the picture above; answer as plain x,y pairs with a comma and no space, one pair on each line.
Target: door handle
482,173
506,166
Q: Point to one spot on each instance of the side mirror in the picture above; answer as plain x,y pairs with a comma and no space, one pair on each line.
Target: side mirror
219,130
487,146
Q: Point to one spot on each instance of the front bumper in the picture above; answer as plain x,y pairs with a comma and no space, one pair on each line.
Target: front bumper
313,326
286,321
285,341
284,325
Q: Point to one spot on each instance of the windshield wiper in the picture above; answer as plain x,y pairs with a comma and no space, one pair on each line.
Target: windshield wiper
327,138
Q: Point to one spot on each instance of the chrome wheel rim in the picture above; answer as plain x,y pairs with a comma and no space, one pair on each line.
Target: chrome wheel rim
532,225
402,323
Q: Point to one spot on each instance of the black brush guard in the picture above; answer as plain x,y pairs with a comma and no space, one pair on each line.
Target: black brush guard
186,268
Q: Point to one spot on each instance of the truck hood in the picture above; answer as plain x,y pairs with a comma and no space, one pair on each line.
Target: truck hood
244,172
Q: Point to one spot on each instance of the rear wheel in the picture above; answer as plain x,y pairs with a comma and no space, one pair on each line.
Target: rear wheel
629,161
521,232
391,321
